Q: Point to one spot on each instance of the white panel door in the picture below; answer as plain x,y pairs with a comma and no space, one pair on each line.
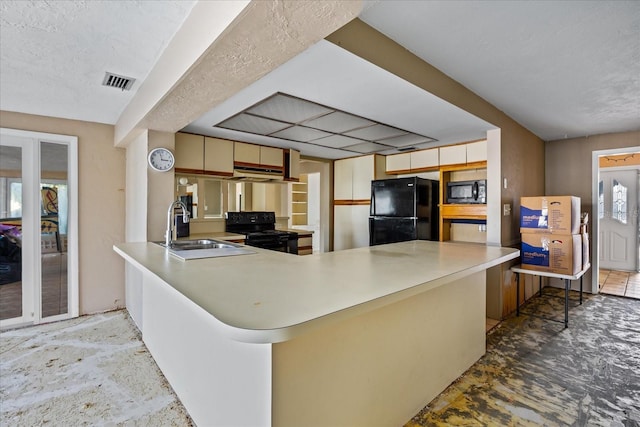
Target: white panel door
618,214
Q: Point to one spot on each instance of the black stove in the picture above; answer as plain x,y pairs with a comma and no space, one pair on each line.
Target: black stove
259,230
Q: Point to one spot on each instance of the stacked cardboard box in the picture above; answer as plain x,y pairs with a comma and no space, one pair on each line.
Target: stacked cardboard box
552,241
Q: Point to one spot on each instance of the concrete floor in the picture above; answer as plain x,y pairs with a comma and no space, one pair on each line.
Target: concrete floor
96,371
93,370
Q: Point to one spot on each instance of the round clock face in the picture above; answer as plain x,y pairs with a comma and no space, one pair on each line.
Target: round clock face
161,159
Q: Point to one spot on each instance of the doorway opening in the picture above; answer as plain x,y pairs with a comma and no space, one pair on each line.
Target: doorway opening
616,228
310,209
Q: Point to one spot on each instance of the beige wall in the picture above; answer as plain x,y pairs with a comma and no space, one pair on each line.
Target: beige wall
569,169
160,187
101,172
519,147
568,163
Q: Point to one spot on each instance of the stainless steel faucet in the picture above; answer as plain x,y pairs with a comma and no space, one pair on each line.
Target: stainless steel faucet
168,237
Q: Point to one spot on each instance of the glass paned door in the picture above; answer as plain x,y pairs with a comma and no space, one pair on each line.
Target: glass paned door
618,230
53,228
39,234
10,232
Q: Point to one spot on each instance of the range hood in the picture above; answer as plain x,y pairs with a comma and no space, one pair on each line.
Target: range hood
255,174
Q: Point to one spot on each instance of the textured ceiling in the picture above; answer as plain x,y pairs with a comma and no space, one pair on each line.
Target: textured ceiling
561,69
53,54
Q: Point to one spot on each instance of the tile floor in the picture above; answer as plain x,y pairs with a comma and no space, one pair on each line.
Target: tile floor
620,283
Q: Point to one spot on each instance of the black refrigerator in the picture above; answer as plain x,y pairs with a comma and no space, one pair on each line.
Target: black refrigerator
403,209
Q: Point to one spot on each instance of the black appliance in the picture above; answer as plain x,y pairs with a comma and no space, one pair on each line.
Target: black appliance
467,191
259,231
403,209
182,228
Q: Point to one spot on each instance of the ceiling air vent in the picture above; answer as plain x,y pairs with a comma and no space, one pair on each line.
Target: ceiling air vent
406,148
119,82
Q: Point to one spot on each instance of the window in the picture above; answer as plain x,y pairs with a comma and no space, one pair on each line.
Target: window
619,204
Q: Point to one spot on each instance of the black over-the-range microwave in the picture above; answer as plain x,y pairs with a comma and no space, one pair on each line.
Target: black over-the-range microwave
467,191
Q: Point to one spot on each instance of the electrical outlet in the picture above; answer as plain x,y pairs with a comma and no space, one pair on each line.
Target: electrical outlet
506,209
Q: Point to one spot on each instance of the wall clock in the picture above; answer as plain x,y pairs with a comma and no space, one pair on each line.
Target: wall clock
161,159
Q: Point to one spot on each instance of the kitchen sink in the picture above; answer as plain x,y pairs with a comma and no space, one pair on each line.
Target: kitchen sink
187,245
204,248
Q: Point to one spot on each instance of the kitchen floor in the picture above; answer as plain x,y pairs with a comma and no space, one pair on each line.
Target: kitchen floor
620,283
95,370
92,370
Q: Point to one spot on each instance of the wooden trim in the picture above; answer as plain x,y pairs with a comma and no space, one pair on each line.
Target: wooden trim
399,172
463,211
426,169
289,179
463,166
217,173
351,202
303,248
477,165
189,171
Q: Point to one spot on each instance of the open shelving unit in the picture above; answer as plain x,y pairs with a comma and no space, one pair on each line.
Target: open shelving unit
299,209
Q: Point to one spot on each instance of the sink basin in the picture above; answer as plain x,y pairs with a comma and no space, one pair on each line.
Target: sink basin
187,245
204,248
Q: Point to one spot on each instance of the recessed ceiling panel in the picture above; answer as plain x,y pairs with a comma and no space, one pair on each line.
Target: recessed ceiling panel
253,124
405,140
337,141
338,122
288,109
300,133
367,147
376,132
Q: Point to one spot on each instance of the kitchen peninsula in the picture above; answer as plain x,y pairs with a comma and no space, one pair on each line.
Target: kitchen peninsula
364,336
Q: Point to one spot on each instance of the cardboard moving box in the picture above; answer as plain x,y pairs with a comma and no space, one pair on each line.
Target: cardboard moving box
554,253
550,214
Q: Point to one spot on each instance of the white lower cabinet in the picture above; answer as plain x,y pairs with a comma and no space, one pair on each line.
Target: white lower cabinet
351,226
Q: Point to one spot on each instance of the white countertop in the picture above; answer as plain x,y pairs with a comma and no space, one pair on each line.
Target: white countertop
271,296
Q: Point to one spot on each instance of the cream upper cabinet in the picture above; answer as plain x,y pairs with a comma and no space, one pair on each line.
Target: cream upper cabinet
424,158
476,151
398,162
453,155
218,156
342,177
189,150
352,177
246,153
270,156
363,174
413,161
258,155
